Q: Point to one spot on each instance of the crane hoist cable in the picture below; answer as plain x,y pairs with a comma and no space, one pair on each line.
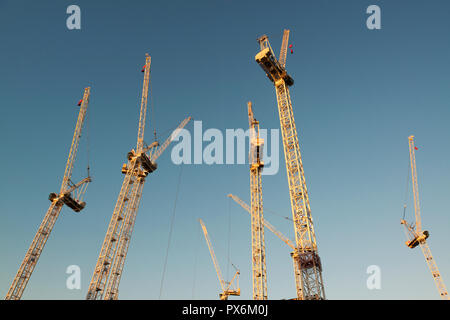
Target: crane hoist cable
277,214
170,231
194,281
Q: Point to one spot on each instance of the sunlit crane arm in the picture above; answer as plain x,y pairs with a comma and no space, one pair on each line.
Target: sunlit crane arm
58,200
284,46
415,234
266,223
159,150
223,285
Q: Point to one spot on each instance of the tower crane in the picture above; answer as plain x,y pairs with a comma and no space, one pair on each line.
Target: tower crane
257,224
70,194
414,232
227,287
308,266
141,161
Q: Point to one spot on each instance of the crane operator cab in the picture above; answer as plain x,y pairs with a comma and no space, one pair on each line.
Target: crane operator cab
418,239
272,67
147,164
67,199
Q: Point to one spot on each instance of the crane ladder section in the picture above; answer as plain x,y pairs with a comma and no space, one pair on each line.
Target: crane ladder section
310,283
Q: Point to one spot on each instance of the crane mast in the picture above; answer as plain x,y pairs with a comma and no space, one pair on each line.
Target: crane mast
225,286
66,197
308,267
257,219
142,161
415,234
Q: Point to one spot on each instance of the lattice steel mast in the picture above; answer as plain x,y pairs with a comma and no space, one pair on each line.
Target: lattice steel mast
267,224
257,225
228,288
65,196
415,233
109,268
308,267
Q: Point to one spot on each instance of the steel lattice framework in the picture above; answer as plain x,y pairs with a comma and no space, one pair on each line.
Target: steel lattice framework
256,207
228,288
142,161
307,264
267,224
58,200
415,233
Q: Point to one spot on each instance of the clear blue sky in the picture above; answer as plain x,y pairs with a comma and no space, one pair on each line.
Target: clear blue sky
358,95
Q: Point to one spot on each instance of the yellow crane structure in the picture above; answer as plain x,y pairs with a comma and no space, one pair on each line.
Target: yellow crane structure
267,224
308,266
259,274
228,289
141,161
70,194
414,232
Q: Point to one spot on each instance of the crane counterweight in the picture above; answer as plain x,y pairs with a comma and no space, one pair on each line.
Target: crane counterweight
272,67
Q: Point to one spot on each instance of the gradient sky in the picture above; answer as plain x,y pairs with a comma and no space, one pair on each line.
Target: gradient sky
358,95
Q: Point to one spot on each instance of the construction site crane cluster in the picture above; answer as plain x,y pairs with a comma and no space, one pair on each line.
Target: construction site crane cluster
141,161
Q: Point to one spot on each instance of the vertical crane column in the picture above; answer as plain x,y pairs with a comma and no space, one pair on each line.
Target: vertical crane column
307,264
419,237
257,218
112,289
121,211
37,245
110,264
